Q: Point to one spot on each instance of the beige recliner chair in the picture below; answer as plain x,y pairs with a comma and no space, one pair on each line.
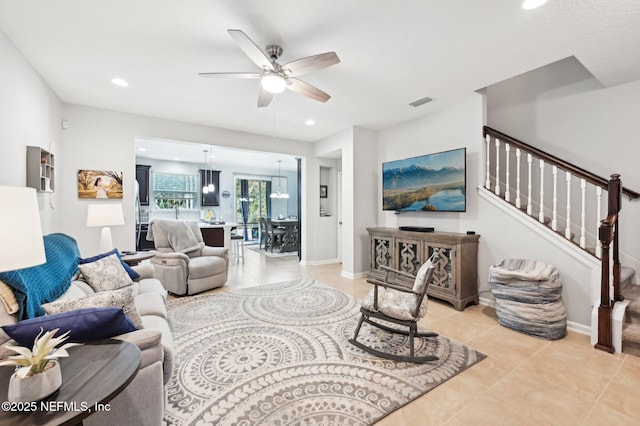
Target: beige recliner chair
182,262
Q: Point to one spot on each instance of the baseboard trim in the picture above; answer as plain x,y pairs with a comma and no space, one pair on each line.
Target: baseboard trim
353,276
319,262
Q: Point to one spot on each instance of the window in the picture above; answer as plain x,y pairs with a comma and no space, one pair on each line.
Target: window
172,190
256,194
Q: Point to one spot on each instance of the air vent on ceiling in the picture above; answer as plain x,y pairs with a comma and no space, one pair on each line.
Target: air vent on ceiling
420,102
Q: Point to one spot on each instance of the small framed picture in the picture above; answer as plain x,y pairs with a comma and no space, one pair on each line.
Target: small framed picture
323,191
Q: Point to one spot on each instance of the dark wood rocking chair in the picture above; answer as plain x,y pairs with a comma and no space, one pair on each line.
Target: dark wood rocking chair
401,305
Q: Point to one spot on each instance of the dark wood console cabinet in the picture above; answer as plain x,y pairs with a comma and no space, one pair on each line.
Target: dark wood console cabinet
455,278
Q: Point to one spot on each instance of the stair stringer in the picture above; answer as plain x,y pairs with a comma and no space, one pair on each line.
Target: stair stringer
589,261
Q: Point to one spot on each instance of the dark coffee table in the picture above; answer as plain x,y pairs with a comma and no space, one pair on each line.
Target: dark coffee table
92,376
137,257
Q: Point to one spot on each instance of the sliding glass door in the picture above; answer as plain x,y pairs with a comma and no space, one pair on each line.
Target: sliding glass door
252,203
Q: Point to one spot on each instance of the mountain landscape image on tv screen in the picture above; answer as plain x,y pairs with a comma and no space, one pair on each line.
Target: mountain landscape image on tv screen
433,182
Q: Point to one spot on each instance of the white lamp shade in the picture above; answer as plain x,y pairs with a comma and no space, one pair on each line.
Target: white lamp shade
22,245
273,83
105,215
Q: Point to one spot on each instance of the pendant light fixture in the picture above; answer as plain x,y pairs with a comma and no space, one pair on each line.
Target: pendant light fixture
211,186
279,193
207,185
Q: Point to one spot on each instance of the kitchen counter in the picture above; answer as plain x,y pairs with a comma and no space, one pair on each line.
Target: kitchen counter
217,234
216,225
214,234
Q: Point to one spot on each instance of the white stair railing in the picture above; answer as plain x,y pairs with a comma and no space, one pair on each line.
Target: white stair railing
584,207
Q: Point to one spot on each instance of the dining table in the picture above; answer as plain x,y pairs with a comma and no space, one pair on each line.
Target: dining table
290,240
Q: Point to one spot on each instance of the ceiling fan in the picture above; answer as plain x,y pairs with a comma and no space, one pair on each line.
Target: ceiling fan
275,78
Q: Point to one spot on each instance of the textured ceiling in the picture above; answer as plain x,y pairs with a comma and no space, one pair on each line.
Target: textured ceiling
393,52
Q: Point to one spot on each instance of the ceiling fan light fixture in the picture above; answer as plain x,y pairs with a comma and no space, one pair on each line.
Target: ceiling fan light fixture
273,82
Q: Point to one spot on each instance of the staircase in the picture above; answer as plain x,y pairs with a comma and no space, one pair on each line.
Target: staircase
568,201
631,326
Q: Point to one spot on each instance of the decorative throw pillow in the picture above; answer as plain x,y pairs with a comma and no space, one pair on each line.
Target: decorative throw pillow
122,298
83,324
133,274
8,299
105,274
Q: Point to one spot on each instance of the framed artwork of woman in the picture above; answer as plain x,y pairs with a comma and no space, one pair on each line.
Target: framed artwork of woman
99,184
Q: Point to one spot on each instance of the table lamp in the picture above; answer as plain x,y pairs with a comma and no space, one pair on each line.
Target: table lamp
105,215
22,245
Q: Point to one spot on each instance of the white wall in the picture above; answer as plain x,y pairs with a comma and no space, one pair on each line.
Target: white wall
456,127
501,236
563,110
365,173
321,229
104,140
30,114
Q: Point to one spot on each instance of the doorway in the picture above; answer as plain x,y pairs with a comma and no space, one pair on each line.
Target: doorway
252,203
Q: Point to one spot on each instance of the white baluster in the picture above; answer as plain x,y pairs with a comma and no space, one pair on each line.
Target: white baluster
529,207
497,190
598,218
518,177
583,215
567,229
541,213
554,217
507,182
487,182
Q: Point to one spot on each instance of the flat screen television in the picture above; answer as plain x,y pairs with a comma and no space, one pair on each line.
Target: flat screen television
432,182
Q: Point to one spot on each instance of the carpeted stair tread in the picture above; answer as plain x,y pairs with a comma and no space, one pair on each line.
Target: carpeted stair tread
632,294
631,339
626,276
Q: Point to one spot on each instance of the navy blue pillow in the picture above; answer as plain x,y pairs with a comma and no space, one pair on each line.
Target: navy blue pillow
85,325
133,274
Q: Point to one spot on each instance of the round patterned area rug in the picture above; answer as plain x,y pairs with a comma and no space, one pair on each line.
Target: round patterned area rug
278,354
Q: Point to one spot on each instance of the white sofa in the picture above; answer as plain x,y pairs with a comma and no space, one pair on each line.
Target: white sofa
142,401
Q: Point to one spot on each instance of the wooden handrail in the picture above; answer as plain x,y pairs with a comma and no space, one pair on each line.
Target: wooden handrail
575,170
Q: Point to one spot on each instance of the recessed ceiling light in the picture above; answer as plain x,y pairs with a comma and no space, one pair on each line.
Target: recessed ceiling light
310,122
119,82
176,158
142,149
532,4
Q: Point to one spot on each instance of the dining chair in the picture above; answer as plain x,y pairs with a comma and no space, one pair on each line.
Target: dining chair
274,235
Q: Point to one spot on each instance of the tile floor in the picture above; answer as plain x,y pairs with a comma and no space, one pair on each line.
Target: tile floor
524,380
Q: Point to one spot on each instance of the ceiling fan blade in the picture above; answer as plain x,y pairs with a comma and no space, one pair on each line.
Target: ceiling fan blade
311,63
264,98
244,75
251,50
307,90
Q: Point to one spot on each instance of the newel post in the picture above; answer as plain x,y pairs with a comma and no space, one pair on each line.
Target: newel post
605,338
615,199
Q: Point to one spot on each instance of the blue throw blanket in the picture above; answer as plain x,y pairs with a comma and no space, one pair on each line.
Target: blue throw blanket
44,283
